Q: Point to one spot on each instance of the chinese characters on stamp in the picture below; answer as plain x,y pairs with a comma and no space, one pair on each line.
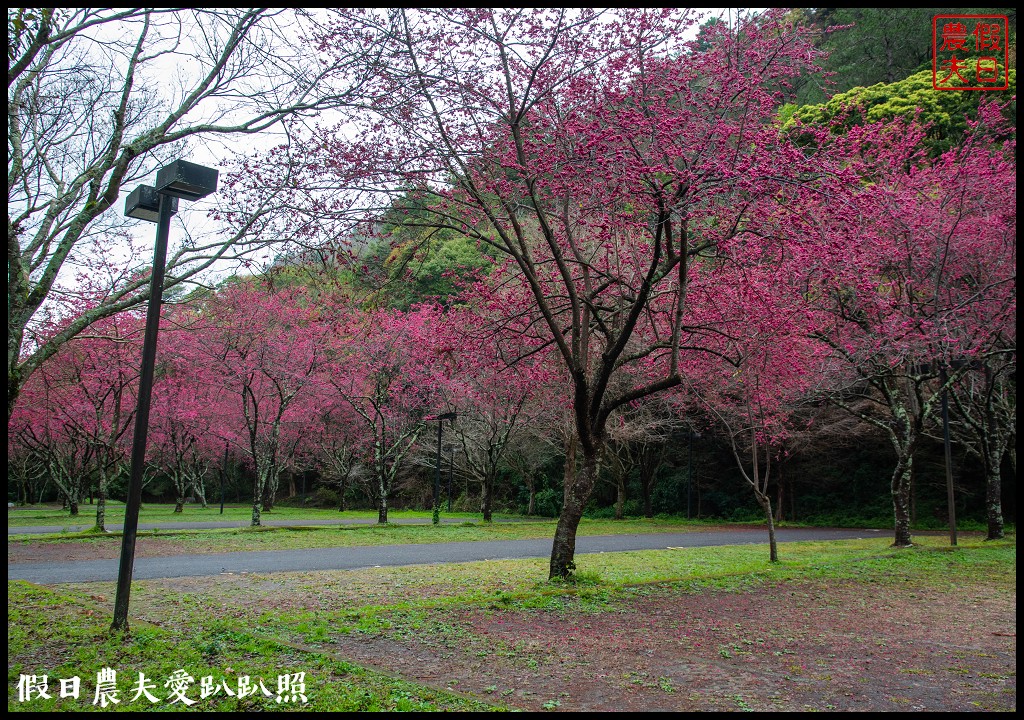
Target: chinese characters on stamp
970,52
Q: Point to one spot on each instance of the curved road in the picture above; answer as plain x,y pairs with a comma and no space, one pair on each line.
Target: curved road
352,558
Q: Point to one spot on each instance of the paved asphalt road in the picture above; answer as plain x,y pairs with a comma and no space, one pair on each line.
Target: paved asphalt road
351,558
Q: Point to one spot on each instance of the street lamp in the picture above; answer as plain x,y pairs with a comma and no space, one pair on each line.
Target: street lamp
943,368
223,476
187,181
957,364
436,517
689,469
450,447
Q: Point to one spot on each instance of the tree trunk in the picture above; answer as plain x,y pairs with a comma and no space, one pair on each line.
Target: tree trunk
620,496
13,372
901,481
766,505
270,488
486,494
569,471
382,498
259,482
650,461
993,449
101,508
993,502
101,500
563,549
179,505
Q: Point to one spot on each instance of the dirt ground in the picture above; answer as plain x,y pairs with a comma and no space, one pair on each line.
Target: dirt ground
25,552
809,646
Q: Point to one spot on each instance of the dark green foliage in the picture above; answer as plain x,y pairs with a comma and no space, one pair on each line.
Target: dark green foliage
326,498
417,259
547,484
841,487
24,25
549,502
670,492
883,45
423,270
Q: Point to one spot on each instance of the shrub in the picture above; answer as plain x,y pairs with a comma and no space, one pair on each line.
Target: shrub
326,498
549,502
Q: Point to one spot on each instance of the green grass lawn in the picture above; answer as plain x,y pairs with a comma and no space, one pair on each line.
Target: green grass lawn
266,626
59,634
164,513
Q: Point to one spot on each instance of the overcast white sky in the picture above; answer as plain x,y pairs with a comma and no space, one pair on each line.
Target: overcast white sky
217,152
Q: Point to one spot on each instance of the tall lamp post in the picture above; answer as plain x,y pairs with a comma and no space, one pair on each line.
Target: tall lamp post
223,477
950,495
689,470
436,516
957,364
186,181
943,368
451,471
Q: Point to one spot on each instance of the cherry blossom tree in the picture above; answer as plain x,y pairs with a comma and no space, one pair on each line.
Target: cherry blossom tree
54,444
598,152
492,381
84,406
332,447
765,362
107,376
985,425
182,439
380,369
919,276
257,350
